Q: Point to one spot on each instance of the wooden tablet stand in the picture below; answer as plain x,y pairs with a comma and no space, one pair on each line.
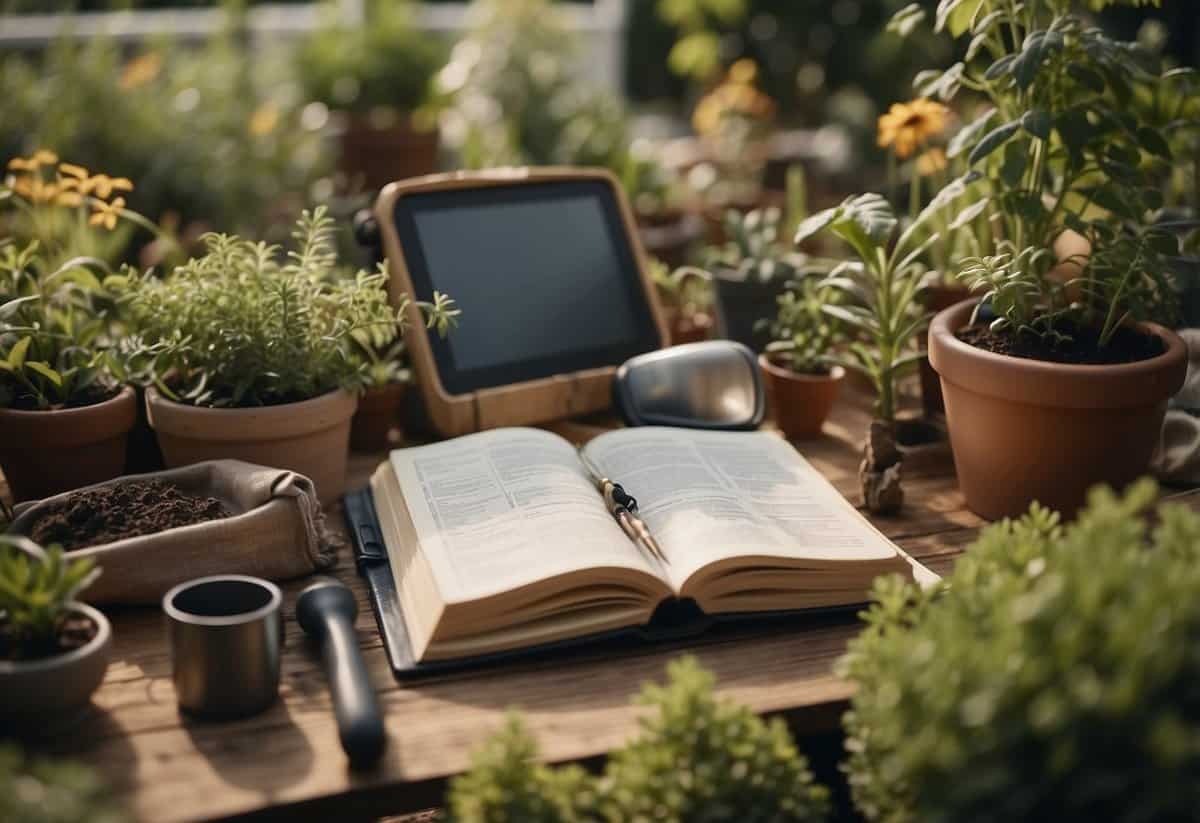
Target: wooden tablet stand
534,401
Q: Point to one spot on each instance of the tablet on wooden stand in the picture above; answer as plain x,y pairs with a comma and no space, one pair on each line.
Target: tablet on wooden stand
546,266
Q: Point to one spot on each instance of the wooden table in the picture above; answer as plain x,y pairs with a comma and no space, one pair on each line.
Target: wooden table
287,762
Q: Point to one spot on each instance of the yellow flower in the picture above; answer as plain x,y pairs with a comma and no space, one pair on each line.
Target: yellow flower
71,170
264,120
67,197
102,185
141,70
34,189
931,161
106,214
908,126
744,72
41,157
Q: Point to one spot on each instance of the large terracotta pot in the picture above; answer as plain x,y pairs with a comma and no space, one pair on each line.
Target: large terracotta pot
47,452
311,438
800,402
378,413
1025,430
47,695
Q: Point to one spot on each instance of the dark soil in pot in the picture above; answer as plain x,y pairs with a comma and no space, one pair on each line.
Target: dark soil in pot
123,510
1082,348
76,631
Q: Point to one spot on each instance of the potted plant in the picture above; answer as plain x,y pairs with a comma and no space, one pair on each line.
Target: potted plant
1028,684
686,296
53,650
384,385
882,312
1062,363
749,272
697,757
63,411
802,383
377,75
255,358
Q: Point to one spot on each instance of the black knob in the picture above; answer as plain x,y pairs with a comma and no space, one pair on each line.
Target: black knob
326,611
366,229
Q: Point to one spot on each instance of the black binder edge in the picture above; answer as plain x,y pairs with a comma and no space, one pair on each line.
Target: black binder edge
673,621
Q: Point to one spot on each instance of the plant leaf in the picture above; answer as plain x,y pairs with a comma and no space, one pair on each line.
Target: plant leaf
907,19
992,141
16,355
45,371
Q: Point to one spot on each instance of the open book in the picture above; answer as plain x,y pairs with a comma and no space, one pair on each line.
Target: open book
500,540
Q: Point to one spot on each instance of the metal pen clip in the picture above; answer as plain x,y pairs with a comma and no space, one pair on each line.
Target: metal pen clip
623,507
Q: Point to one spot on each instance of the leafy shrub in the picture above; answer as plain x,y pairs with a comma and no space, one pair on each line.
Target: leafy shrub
240,327
1052,676
36,586
40,790
698,758
804,334
384,63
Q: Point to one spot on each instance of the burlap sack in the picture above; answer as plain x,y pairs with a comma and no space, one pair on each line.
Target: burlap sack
1177,459
276,531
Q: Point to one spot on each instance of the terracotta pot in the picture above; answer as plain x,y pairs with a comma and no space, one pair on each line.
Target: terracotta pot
381,155
378,413
800,402
1025,430
47,452
47,695
935,300
311,438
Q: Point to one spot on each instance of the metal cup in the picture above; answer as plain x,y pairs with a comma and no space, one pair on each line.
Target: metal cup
226,634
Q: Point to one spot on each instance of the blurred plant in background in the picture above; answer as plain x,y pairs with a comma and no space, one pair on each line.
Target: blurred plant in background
216,135
40,790
734,121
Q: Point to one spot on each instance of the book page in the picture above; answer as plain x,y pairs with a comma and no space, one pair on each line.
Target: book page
501,509
710,495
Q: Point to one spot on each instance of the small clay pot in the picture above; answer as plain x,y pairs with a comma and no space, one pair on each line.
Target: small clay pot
378,413
800,402
311,438
1024,430
48,695
44,453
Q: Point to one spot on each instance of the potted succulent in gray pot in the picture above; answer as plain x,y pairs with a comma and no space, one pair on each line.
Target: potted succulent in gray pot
53,650
1059,379
749,272
255,358
801,378
64,415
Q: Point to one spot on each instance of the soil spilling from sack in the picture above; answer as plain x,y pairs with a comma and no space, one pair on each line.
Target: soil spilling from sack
133,509
1082,348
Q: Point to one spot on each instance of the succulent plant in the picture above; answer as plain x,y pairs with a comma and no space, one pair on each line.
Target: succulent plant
1051,676
37,587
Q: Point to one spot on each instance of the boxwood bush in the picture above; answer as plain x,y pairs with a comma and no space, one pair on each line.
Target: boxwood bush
1055,675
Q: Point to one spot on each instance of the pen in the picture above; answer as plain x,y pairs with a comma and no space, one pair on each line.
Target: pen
623,507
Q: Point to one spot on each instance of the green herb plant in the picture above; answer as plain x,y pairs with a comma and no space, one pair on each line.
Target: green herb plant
1063,145
37,587
697,758
881,287
56,327
44,790
239,326
1051,676
804,335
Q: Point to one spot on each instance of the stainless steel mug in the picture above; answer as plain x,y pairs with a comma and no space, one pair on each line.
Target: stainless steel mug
226,635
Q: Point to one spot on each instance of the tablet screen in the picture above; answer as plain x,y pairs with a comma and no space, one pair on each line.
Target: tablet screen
543,272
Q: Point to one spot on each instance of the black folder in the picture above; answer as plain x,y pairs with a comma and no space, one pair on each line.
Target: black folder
674,620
